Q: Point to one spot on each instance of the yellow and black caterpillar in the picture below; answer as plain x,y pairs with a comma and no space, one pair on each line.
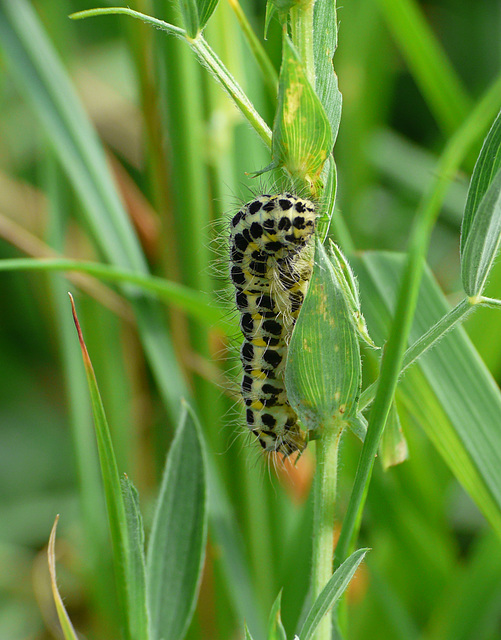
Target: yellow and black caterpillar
271,245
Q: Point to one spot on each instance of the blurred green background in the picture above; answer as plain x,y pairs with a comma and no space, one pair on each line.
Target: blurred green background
179,153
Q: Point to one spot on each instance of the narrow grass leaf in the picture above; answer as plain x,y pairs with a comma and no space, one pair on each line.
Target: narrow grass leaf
324,47
331,593
196,14
276,629
449,391
247,633
302,136
393,448
177,545
205,9
481,227
189,13
435,76
111,482
69,632
487,166
39,73
136,571
195,303
268,72
323,370
481,247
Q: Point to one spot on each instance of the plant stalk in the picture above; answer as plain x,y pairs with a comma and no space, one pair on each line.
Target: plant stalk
323,518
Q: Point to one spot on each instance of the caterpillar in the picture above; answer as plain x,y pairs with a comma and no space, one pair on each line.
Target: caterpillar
271,255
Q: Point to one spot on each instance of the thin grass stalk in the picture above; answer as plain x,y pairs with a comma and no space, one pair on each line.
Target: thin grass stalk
158,169
325,486
454,153
268,72
425,342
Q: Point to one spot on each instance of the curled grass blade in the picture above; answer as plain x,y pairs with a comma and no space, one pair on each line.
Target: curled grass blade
276,629
481,228
69,632
331,593
324,47
481,247
132,608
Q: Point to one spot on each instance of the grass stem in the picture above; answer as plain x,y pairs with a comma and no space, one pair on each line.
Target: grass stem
323,518
425,342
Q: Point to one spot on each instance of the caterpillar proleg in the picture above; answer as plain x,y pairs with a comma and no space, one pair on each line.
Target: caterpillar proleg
271,253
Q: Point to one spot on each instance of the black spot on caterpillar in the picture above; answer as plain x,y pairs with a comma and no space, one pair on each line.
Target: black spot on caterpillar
271,252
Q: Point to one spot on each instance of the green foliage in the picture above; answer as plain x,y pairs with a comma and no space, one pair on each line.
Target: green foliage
324,47
449,392
276,629
128,152
64,620
333,590
179,534
323,371
481,228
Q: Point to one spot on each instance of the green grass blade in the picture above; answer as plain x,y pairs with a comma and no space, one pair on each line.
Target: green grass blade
302,136
177,545
432,71
393,355
189,12
276,629
486,167
112,490
393,448
481,247
331,593
69,632
480,229
40,74
449,391
136,569
205,9
324,47
248,634
195,14
195,303
268,71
